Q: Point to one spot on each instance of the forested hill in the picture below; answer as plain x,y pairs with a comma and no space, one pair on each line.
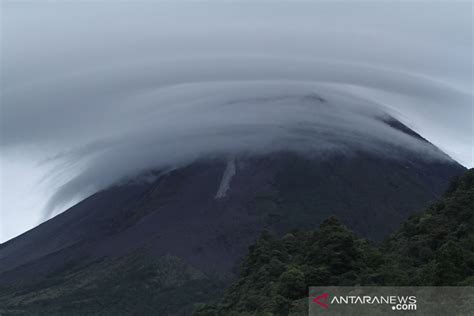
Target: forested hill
434,247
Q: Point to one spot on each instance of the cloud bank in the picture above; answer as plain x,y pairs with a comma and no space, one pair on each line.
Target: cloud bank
94,92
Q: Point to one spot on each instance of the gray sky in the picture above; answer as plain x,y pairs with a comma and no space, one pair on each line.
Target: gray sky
94,91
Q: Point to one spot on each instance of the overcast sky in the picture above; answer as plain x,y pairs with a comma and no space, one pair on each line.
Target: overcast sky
94,91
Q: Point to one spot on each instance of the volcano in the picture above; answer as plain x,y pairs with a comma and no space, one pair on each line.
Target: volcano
192,225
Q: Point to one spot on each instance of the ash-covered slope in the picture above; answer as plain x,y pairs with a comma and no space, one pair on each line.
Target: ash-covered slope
205,215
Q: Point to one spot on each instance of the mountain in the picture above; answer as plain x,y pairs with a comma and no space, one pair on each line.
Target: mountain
432,248
151,241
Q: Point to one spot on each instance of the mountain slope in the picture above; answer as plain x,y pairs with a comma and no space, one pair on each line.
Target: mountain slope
206,214
179,212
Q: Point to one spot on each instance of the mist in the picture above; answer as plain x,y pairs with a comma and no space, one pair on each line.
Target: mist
95,92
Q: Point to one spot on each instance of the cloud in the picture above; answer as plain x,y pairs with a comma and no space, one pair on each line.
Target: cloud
120,89
177,124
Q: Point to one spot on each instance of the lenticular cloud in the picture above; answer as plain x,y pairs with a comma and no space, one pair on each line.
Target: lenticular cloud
122,89
174,123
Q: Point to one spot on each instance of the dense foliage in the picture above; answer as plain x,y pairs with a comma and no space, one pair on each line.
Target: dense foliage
435,247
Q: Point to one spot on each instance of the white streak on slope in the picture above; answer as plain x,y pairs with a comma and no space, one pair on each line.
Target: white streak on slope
229,172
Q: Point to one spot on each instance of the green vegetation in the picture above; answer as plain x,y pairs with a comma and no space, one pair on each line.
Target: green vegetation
435,247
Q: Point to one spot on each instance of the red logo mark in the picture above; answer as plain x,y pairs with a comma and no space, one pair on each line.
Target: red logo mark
322,300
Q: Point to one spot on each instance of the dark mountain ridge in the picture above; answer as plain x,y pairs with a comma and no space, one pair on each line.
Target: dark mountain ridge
180,213
205,215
